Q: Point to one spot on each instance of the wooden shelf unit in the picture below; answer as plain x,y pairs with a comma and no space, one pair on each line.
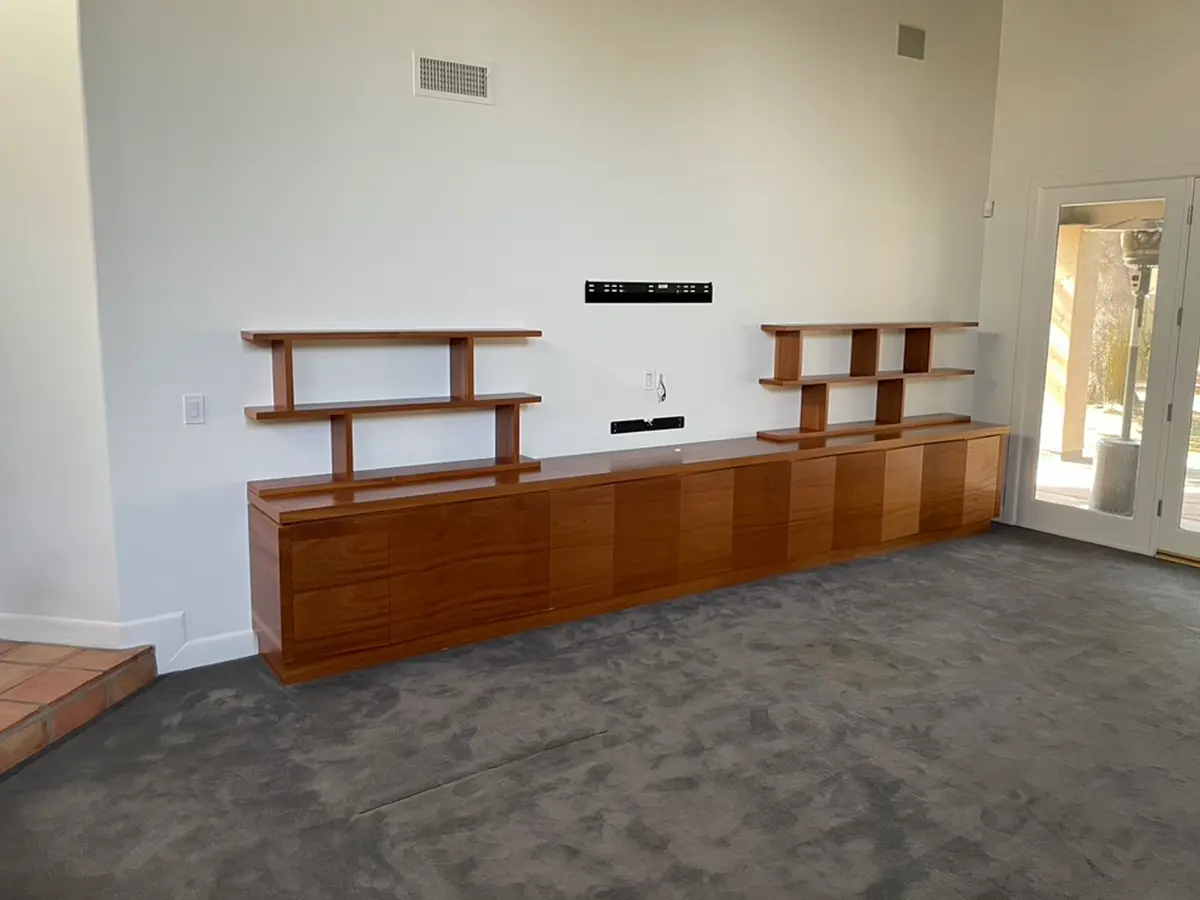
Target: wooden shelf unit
341,415
864,369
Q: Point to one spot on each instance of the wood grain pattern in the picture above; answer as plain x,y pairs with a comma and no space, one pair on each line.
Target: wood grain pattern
1001,476
889,403
341,619
835,327
979,488
646,534
918,349
430,586
283,382
581,545
810,517
509,560
508,433
706,524
858,500
814,407
761,500
882,375
864,351
417,336
341,445
852,429
787,355
312,412
943,476
468,634
334,553
902,493
266,600
590,469
462,368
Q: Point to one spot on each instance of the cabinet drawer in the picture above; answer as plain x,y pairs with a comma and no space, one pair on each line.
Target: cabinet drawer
351,555
341,619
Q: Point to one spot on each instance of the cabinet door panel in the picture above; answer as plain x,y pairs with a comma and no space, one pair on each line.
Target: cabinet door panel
342,619
510,556
581,545
858,500
902,493
327,554
761,500
706,524
646,534
982,472
431,588
810,518
943,476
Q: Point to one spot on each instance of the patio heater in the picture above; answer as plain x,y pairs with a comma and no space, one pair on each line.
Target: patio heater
1115,481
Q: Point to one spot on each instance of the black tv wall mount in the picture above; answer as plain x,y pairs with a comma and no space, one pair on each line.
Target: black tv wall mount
648,292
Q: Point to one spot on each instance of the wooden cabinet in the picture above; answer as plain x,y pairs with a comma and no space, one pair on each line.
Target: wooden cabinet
447,565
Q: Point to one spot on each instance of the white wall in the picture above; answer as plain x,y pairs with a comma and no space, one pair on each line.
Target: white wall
57,559
1089,91
266,165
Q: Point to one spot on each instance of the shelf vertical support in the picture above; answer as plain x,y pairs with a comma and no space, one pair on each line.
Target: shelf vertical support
864,351
889,402
787,355
508,434
462,368
341,439
814,407
282,381
918,349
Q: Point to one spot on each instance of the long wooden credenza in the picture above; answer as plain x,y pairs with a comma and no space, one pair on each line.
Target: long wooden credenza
414,560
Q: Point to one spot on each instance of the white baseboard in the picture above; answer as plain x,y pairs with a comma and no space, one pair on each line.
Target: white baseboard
208,650
167,634
53,630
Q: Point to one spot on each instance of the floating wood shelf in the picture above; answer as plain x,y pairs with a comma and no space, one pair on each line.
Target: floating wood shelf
310,411
848,429
866,379
341,415
838,327
864,369
266,338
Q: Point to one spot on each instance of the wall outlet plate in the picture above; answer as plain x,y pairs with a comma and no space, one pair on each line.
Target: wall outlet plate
193,409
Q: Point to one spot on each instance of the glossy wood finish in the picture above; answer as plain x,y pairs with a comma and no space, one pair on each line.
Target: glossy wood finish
864,369
462,368
864,351
787,356
847,378
706,511
850,429
582,537
318,411
814,408
590,469
889,402
918,350
283,380
340,415
398,475
465,563
341,447
646,533
810,510
431,336
839,327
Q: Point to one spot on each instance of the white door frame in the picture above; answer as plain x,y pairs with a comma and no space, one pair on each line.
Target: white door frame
1139,532
1170,537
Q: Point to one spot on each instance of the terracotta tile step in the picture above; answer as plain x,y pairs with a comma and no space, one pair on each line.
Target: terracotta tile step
48,690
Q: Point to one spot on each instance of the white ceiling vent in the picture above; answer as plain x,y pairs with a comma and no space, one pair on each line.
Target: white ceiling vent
445,79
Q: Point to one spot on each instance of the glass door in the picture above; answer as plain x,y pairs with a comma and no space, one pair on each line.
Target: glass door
1179,524
1098,337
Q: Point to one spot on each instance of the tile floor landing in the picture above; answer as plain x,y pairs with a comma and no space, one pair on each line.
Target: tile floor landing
48,690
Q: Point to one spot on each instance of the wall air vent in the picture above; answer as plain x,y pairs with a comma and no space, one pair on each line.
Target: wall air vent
444,79
911,42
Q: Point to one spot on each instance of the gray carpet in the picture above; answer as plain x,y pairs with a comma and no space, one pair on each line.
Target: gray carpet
1012,716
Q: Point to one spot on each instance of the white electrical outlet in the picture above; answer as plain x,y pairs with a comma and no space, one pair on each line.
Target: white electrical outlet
193,409
649,380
